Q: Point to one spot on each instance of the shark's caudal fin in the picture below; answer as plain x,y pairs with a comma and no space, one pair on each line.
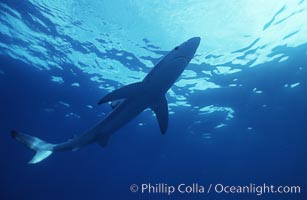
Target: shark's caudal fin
42,148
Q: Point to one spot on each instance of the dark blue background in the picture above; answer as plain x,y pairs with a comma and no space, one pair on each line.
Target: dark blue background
273,153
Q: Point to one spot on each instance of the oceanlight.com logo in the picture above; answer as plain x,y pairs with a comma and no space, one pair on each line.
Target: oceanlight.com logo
196,188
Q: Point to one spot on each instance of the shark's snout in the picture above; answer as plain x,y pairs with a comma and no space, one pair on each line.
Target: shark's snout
194,42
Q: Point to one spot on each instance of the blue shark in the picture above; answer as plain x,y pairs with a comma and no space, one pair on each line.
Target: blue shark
127,102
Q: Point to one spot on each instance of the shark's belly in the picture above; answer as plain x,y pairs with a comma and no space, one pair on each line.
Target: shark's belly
120,116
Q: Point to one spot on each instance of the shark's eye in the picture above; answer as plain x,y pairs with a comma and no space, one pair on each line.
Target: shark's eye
176,48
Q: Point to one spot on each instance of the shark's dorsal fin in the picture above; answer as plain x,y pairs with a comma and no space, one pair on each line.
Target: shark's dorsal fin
123,93
161,111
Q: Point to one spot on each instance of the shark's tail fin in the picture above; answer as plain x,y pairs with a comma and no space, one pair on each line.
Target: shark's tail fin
42,148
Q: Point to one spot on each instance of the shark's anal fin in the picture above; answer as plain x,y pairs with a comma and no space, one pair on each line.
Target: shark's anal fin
103,140
161,111
123,93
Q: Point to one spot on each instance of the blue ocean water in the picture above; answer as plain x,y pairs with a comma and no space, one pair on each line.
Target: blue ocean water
237,113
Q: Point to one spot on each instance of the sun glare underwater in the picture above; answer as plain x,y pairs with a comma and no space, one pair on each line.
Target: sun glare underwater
237,114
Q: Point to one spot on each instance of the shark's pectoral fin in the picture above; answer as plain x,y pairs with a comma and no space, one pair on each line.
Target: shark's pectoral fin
103,140
123,93
161,111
